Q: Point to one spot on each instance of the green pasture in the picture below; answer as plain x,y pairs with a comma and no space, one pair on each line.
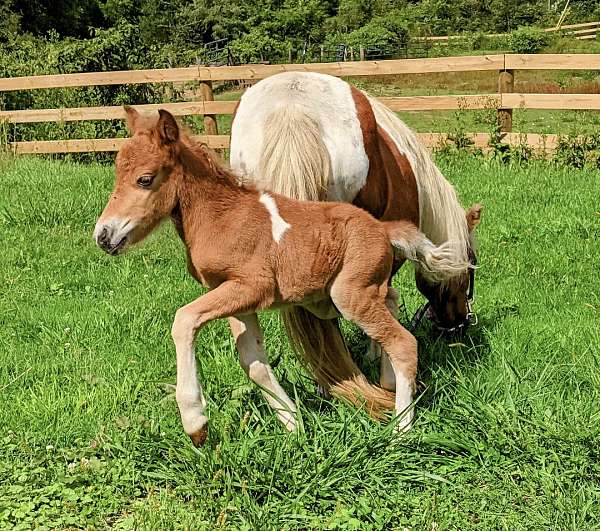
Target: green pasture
507,422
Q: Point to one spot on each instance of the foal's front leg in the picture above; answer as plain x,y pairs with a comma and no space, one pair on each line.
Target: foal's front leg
226,300
253,358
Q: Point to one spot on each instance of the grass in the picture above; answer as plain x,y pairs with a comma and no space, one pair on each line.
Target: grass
507,425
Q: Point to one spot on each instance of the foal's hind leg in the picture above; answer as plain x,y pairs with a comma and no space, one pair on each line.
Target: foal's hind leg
253,358
366,307
387,379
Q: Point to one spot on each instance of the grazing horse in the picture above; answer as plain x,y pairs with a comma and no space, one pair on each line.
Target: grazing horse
256,251
315,137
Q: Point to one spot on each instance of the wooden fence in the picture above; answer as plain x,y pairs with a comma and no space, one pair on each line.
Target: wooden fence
584,31
504,101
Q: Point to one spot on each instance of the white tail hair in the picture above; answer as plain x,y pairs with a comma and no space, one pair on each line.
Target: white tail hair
437,262
442,218
294,160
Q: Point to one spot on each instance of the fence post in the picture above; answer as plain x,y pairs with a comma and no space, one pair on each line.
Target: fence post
210,120
506,83
362,53
322,53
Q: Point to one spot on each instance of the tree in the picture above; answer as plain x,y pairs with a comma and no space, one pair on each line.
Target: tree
72,18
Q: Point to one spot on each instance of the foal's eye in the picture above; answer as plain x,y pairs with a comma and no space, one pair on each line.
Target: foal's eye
145,181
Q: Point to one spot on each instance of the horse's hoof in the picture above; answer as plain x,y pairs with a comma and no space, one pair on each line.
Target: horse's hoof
323,392
199,437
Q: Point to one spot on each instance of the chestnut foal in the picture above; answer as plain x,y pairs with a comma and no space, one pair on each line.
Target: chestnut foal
257,251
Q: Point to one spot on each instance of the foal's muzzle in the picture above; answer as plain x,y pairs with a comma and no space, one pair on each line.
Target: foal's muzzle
113,235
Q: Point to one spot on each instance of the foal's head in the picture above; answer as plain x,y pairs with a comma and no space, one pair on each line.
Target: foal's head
450,301
147,175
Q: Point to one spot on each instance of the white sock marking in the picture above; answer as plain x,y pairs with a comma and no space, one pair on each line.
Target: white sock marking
253,358
278,224
403,402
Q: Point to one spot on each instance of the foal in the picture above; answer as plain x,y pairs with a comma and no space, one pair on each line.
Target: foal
257,251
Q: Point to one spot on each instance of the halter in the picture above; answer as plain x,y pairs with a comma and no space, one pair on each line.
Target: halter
471,316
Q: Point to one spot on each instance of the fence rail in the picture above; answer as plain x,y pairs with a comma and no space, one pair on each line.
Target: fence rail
585,30
431,140
349,68
504,101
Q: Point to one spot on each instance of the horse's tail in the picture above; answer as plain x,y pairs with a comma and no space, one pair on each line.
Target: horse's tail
294,159
295,162
437,262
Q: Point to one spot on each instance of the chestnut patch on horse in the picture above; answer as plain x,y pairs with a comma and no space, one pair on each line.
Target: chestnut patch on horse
391,188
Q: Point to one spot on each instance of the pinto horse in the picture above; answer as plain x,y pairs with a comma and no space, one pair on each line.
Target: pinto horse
315,137
256,251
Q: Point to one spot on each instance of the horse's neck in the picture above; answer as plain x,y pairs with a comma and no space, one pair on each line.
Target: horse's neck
206,197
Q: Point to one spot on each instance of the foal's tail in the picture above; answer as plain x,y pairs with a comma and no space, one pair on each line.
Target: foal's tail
437,262
295,162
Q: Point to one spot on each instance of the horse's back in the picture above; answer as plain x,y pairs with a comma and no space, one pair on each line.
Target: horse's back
283,104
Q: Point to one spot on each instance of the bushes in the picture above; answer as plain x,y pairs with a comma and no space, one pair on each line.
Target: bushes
381,33
528,39
113,49
579,151
257,46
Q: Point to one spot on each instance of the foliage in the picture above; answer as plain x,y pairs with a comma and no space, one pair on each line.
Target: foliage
257,46
71,18
579,150
439,17
183,26
380,32
527,40
117,48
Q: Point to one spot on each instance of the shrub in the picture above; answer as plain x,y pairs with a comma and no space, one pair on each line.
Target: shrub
476,41
112,49
578,151
258,45
527,39
379,33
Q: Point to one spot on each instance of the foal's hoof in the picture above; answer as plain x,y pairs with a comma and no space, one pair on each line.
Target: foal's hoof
199,437
405,423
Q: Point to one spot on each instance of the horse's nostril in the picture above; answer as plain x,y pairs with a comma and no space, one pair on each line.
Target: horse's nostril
103,239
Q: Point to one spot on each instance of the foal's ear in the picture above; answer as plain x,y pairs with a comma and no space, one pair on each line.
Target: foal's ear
167,127
474,216
131,115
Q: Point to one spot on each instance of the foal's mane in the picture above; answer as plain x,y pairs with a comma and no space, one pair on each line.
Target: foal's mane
201,155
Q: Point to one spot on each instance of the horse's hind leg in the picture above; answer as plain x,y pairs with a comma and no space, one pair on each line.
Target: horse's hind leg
253,358
366,307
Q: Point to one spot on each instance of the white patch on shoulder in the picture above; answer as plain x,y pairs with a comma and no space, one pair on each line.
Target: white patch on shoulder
278,224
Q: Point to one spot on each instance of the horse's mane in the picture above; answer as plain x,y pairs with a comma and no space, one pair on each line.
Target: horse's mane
207,158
